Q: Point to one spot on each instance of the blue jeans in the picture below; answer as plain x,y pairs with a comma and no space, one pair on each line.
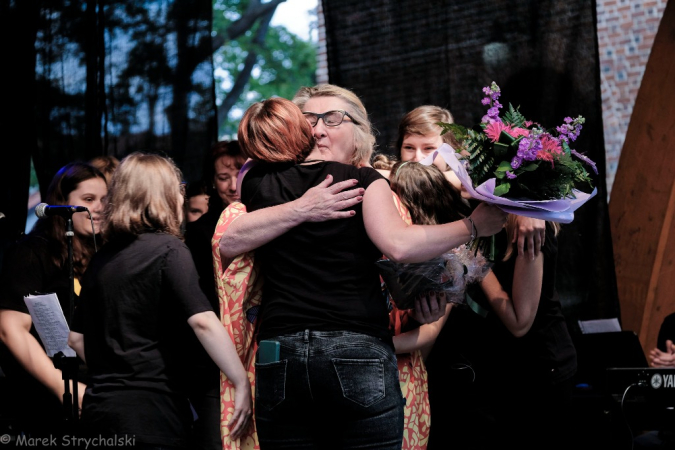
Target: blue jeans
330,390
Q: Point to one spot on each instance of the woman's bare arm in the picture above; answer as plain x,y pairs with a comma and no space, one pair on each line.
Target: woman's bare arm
322,202
415,243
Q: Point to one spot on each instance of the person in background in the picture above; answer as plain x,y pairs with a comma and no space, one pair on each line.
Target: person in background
501,372
221,176
430,199
138,294
663,355
225,161
106,164
197,201
38,263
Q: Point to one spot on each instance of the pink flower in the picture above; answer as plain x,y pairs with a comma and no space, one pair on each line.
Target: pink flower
517,132
493,130
545,156
551,144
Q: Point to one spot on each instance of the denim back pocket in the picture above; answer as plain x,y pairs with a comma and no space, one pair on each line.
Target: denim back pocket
362,380
270,384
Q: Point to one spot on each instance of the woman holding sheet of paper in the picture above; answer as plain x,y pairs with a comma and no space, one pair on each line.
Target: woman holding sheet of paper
38,263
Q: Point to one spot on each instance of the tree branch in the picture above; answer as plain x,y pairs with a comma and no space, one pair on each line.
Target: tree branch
255,11
245,74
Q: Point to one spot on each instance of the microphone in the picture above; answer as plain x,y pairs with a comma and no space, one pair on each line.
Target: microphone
44,210
2,216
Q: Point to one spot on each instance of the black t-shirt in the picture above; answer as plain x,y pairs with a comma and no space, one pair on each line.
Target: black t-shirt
318,276
545,355
137,295
28,268
198,235
547,348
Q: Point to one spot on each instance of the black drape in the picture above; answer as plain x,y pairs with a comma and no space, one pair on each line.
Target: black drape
96,77
399,54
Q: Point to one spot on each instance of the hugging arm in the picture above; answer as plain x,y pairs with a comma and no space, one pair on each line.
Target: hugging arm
320,203
423,337
401,242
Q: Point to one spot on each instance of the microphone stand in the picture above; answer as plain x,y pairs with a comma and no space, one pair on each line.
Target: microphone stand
69,364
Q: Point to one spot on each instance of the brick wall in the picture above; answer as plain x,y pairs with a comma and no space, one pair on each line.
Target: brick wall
626,31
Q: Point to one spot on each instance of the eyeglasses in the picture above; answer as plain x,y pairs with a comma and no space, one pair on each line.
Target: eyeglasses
330,118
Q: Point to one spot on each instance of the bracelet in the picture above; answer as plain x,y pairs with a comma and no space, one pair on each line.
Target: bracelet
474,231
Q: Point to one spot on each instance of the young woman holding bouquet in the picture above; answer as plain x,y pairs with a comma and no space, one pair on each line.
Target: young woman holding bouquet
419,135
322,291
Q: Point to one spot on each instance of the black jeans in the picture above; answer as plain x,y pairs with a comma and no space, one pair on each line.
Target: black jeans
330,390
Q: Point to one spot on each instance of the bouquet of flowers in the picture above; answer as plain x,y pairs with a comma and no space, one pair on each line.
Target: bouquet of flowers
519,165
450,273
526,160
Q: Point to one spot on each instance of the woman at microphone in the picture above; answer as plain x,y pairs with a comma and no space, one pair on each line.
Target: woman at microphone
38,263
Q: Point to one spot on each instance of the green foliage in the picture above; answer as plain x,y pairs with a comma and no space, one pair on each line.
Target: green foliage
459,131
514,117
285,63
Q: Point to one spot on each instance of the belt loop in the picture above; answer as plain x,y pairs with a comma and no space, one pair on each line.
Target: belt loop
306,336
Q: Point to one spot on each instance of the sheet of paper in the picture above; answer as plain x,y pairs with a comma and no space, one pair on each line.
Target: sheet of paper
50,323
600,326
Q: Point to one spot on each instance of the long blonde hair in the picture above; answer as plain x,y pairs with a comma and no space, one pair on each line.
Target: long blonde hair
144,197
364,138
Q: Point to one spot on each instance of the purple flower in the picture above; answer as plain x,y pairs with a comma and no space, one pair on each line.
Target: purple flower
493,112
492,93
585,159
569,131
528,148
510,175
516,162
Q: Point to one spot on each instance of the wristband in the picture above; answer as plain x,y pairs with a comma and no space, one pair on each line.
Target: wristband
474,231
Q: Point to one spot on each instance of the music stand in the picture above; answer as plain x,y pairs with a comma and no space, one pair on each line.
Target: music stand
69,364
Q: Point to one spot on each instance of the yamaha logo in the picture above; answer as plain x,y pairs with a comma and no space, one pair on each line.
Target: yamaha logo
665,380
657,381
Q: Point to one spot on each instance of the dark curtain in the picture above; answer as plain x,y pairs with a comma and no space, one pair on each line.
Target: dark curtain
97,77
400,54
